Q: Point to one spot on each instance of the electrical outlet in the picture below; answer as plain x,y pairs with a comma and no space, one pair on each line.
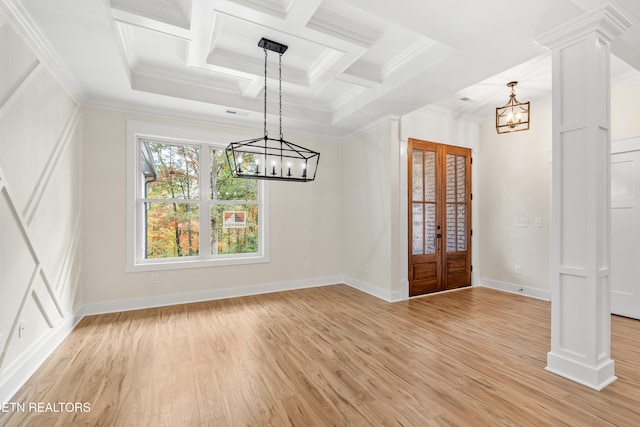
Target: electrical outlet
538,222
307,265
154,277
518,269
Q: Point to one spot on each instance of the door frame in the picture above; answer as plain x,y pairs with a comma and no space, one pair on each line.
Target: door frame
621,146
405,221
428,126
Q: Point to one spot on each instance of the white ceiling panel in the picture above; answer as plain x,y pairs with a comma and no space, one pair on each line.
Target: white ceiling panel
349,62
172,12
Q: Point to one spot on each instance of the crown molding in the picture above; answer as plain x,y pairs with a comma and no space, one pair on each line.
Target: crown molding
23,23
365,71
276,8
234,122
230,60
625,78
169,12
323,64
436,113
369,127
407,55
336,25
607,21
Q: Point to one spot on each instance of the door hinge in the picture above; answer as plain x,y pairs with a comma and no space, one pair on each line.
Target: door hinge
471,196
471,231
471,267
471,160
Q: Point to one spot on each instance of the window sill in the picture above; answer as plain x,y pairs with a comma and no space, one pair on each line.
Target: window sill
157,265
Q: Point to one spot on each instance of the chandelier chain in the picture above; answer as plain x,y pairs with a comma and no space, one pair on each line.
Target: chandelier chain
265,93
280,91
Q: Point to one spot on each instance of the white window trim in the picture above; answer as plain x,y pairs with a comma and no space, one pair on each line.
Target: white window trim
137,129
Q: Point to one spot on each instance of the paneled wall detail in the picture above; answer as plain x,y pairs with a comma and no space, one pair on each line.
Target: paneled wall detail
40,205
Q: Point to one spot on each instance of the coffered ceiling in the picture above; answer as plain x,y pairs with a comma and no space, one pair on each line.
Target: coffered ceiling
349,63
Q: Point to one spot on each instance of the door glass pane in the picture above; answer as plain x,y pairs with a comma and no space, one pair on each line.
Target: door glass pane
451,178
451,227
460,178
430,178
462,228
418,178
418,229
431,228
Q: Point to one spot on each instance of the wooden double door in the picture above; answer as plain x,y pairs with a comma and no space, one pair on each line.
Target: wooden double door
439,217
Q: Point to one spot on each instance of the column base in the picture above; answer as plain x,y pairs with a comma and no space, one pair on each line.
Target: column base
595,377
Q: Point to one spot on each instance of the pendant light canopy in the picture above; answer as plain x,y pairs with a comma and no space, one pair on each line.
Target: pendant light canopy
272,158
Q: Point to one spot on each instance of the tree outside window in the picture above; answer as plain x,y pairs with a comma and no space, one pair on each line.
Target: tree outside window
188,195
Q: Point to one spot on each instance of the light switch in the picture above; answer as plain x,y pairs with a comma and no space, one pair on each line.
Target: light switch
538,222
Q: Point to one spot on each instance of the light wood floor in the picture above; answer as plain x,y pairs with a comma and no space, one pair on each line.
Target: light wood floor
329,356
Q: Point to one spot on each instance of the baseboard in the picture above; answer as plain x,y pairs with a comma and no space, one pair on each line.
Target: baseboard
209,295
370,289
21,371
516,289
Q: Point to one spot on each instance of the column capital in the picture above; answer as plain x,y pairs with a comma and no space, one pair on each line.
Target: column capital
606,21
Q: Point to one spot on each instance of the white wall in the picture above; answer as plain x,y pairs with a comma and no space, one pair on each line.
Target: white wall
370,211
625,111
40,211
306,223
514,182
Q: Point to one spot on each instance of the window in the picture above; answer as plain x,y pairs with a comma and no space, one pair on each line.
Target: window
185,209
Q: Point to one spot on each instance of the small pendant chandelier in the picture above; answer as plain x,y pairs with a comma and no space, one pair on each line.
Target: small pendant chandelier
514,115
271,158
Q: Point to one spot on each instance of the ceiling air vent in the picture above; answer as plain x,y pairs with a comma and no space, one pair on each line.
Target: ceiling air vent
237,113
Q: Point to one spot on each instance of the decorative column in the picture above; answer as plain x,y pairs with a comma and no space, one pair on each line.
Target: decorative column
580,205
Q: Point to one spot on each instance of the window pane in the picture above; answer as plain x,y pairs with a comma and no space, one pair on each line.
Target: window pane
462,228
417,171
451,178
418,229
451,227
224,186
461,178
174,172
234,229
172,230
430,179
431,228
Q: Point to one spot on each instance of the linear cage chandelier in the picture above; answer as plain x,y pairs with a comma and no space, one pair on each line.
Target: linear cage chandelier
272,158
514,115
